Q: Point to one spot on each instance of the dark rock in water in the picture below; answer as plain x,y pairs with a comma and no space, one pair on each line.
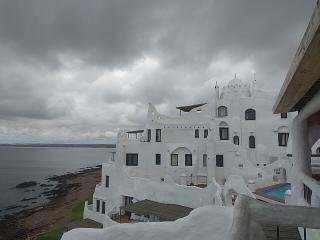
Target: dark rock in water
34,202
28,199
12,207
46,185
26,184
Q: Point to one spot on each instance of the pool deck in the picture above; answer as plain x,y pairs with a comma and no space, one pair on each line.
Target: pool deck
260,193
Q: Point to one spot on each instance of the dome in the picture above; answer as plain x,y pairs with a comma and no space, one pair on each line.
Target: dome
235,82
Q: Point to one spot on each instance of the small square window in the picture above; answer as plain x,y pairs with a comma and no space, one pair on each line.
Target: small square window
174,159
98,206
283,139
224,133
158,159
158,135
149,135
219,160
107,181
188,160
132,159
103,210
196,133
284,115
205,133
204,160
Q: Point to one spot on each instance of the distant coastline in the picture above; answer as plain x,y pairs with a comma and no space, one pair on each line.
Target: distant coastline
58,145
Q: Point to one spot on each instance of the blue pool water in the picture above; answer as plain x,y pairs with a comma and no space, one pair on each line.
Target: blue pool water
278,191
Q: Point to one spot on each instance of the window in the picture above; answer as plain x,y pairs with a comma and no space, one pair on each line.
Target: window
307,193
219,160
149,135
113,154
188,159
252,142
205,133
224,133
284,115
158,159
132,159
107,181
127,200
204,160
196,133
103,210
283,139
236,140
158,135
222,111
98,205
174,159
250,114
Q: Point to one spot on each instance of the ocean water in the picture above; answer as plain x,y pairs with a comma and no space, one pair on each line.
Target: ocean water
20,164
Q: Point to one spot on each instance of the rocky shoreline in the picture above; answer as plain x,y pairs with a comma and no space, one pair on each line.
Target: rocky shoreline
70,187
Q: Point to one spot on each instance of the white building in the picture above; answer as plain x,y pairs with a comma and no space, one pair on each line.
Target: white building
235,133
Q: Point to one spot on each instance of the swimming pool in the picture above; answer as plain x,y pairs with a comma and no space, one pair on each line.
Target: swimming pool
275,192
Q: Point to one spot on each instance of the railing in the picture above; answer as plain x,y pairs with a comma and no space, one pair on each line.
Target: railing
250,215
310,182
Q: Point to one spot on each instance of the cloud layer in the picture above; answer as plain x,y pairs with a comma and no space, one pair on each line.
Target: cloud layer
76,71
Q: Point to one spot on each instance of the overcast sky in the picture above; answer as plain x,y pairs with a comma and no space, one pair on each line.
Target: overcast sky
78,70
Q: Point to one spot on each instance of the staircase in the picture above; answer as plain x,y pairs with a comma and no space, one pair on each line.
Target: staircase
285,233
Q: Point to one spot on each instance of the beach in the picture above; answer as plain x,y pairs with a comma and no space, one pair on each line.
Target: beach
53,218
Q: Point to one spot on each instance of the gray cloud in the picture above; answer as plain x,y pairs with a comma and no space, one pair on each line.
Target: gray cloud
77,70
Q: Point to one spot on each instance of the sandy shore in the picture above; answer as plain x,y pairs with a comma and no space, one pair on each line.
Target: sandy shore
72,190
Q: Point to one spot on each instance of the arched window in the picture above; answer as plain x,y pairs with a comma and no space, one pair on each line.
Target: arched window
236,140
222,111
250,114
283,135
252,142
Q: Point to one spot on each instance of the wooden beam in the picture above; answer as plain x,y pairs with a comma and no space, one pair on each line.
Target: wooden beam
304,71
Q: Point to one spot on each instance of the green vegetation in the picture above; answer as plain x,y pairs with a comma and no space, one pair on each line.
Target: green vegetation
55,234
76,215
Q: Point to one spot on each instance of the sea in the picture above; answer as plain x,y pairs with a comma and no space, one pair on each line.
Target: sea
21,164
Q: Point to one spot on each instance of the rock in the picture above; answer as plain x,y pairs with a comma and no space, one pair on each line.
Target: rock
12,207
46,185
28,199
26,184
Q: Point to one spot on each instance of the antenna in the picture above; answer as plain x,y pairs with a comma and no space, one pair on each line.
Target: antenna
254,77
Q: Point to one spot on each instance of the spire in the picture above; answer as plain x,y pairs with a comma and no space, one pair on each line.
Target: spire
216,86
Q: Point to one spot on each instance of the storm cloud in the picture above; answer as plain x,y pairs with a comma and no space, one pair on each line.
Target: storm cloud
77,71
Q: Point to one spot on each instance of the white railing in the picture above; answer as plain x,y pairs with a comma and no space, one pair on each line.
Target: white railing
104,219
250,214
310,182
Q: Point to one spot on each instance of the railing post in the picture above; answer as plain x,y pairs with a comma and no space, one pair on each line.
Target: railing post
278,233
304,233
